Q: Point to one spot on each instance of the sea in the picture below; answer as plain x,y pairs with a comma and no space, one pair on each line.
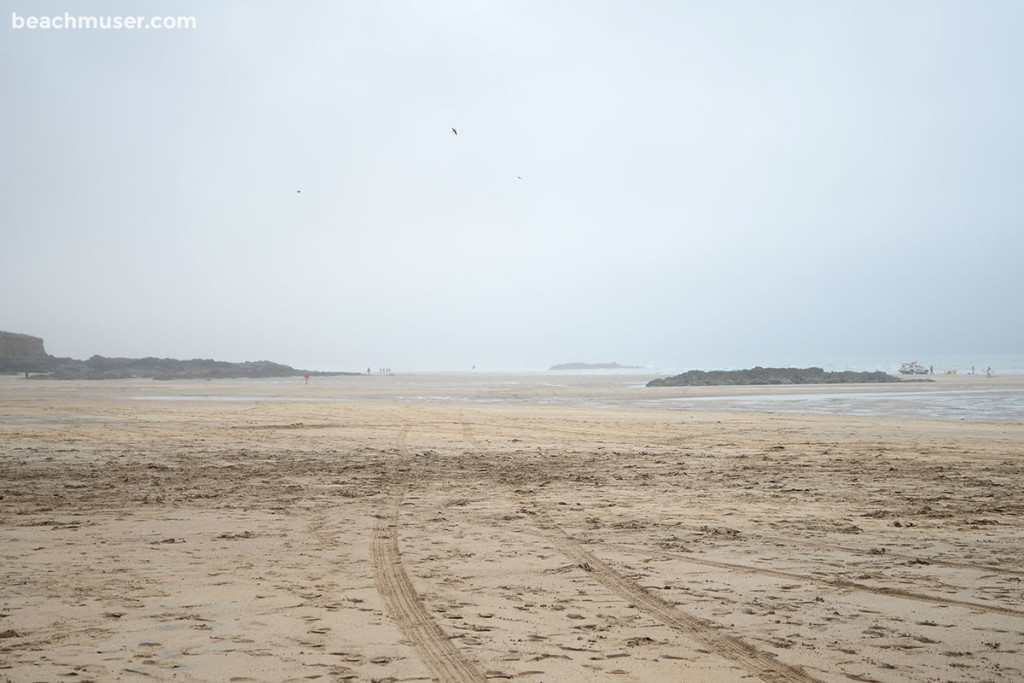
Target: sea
1000,404
934,401
626,388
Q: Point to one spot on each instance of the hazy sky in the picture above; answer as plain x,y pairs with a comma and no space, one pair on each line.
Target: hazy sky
653,183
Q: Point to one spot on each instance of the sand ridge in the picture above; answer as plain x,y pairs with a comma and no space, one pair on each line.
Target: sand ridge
377,538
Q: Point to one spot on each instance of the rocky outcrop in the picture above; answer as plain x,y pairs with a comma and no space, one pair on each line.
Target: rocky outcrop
759,375
27,356
21,346
99,367
23,353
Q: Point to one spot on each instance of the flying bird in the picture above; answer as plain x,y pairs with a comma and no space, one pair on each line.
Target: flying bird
455,131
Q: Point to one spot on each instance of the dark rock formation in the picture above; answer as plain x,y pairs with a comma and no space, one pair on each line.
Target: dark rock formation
23,353
21,345
759,375
27,356
99,367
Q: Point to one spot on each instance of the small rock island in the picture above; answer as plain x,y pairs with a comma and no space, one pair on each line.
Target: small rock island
759,375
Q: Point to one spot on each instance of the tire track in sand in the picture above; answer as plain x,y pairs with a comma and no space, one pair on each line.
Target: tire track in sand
587,429
825,581
403,603
471,437
887,553
757,662
760,663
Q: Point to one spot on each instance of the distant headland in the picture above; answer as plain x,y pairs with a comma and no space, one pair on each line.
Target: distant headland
25,354
593,366
759,375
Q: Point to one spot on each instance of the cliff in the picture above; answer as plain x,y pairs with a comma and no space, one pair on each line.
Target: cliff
21,345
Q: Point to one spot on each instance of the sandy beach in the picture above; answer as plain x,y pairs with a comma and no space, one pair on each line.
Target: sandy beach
542,528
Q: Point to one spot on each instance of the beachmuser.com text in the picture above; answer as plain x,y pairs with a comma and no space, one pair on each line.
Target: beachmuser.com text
68,21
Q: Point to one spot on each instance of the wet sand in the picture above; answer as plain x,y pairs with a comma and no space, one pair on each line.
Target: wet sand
462,527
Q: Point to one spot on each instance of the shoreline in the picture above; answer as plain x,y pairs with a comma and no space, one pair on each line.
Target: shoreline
970,397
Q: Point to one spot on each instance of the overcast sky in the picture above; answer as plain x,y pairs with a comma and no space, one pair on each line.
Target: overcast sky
669,184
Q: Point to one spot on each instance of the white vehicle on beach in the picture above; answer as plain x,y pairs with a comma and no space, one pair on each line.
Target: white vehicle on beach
913,368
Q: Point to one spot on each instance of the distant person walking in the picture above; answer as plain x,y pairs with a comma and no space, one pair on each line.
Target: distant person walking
306,375
988,371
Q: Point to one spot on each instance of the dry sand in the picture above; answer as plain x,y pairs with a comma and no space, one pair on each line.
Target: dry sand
345,532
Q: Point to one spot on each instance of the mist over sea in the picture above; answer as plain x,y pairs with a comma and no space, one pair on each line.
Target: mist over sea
1006,364
964,397
1000,403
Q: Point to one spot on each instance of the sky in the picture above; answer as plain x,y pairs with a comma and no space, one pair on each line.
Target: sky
663,184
